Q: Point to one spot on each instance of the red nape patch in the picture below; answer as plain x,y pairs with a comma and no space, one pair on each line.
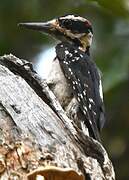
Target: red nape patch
88,23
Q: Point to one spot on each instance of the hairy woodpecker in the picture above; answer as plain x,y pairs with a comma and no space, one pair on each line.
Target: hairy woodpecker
74,78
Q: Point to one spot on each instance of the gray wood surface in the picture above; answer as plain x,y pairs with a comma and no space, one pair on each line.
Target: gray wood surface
36,134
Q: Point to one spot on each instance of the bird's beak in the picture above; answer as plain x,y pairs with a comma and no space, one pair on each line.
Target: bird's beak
47,27
51,27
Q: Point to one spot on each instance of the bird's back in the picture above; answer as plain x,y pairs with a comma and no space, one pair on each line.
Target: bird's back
84,79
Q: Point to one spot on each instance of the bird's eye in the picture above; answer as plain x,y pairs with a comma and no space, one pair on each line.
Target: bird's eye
66,23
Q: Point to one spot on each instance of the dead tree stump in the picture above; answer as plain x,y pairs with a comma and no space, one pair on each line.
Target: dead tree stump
37,140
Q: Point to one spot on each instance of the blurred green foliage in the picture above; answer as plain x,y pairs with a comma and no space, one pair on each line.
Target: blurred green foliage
110,49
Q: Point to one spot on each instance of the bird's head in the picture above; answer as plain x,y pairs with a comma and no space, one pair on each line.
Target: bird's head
71,28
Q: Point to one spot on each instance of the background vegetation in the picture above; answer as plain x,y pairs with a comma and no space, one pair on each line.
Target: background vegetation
110,21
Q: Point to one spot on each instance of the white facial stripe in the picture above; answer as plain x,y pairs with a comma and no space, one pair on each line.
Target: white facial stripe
77,35
74,18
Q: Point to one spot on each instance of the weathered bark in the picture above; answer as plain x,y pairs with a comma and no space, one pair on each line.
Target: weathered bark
37,140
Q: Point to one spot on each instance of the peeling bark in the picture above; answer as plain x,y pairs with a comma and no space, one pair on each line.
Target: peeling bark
37,140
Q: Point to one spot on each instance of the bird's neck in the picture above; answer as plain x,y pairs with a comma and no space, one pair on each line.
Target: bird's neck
81,46
86,50
77,46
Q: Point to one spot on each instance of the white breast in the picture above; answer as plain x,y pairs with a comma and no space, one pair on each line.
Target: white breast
58,84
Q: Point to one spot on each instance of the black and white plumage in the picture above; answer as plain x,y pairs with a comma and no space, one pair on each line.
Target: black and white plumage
84,78
74,78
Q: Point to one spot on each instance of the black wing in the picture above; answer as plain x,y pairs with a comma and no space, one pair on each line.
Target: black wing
85,80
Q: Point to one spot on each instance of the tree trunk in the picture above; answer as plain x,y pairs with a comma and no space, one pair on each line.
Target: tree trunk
37,140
